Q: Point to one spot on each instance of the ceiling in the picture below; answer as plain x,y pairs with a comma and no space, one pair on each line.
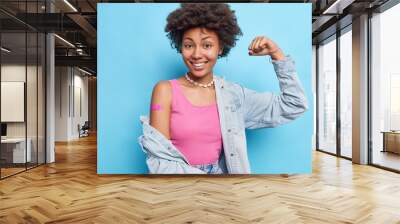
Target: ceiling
76,22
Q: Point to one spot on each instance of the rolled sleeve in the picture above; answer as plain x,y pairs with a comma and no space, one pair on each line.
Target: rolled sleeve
270,110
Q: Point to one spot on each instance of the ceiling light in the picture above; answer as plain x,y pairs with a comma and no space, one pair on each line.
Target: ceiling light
331,7
64,40
71,6
84,71
5,50
337,7
79,51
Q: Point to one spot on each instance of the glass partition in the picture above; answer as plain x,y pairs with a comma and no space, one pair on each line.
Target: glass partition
22,88
385,89
327,96
32,95
346,93
14,153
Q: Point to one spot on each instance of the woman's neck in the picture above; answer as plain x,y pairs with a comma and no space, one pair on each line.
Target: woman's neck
203,80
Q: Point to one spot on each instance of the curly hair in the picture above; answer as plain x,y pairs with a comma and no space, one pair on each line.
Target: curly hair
214,16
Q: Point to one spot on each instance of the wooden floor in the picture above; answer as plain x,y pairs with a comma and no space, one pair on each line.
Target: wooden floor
70,191
5,172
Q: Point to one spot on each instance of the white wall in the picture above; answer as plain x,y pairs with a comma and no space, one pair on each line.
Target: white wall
9,73
71,94
15,72
12,100
33,127
81,85
62,81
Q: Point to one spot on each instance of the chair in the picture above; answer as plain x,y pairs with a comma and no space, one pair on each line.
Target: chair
84,130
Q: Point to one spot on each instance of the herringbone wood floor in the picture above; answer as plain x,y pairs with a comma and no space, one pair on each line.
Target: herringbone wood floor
70,191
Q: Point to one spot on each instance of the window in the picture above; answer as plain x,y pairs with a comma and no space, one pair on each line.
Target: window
327,96
346,93
385,89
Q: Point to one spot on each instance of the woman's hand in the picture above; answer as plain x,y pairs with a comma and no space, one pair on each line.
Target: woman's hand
262,45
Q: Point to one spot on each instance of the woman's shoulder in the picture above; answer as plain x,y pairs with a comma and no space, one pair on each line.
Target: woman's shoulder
162,86
162,90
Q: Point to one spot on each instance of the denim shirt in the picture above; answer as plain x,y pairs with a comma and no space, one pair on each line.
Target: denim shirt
239,108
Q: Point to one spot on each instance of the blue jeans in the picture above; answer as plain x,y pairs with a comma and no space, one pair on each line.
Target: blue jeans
210,168
214,168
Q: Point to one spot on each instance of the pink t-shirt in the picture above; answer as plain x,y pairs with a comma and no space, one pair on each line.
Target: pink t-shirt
195,130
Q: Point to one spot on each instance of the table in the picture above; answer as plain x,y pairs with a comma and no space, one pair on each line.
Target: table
17,150
391,141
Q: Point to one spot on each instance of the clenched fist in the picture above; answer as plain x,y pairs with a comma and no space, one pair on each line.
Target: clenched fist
262,45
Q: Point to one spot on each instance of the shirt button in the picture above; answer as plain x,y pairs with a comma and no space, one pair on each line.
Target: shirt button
232,154
226,108
229,130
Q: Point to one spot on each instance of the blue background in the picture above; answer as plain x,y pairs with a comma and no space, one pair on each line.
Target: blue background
134,54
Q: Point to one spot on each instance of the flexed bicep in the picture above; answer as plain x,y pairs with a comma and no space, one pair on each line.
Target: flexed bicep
268,109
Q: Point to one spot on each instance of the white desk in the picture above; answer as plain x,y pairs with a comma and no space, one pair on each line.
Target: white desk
19,149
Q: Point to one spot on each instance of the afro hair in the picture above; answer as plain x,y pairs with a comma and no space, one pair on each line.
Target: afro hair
217,17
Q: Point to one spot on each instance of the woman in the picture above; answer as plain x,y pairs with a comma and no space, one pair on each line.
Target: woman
197,122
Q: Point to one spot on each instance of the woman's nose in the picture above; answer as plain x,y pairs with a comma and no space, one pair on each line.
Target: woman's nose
196,53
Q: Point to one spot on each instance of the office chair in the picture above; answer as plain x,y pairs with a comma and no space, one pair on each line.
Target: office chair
84,130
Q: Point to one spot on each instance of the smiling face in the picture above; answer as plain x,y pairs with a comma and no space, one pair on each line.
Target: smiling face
200,50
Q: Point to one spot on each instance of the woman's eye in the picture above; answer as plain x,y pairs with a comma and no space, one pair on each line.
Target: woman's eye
207,46
187,45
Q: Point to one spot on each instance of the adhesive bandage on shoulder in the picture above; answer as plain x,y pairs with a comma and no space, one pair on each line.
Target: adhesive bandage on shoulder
155,107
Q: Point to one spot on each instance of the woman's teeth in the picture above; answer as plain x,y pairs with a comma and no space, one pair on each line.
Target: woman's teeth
198,65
